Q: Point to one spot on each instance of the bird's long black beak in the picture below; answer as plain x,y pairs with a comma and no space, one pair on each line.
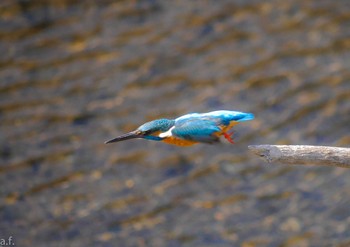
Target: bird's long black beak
127,136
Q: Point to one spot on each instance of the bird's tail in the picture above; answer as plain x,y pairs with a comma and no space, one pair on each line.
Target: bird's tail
246,117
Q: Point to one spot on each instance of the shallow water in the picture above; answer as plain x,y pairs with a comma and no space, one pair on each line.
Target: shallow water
76,73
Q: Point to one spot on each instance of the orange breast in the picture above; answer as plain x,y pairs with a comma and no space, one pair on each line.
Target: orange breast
228,127
178,141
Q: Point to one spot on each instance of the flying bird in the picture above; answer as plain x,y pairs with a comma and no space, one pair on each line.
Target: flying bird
189,129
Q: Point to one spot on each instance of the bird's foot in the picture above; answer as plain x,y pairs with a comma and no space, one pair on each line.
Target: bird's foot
228,137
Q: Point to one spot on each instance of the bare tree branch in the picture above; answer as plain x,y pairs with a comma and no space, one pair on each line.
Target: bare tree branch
303,154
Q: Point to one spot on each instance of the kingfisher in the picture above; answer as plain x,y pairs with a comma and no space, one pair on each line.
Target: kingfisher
189,129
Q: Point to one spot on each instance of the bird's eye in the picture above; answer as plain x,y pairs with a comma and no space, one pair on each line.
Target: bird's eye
143,132
147,132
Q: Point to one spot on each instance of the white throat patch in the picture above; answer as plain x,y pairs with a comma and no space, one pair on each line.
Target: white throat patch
167,133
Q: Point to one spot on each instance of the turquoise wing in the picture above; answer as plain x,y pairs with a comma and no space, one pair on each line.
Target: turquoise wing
197,129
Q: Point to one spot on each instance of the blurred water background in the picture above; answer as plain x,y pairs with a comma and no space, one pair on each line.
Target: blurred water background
75,73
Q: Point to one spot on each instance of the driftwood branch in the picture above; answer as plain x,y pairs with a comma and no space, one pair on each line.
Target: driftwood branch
304,155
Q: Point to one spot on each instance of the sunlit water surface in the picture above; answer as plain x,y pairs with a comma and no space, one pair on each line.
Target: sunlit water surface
76,73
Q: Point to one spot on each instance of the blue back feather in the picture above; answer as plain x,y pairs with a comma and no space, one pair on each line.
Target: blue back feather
221,116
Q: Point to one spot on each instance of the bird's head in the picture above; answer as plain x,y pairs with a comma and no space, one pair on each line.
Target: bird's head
149,131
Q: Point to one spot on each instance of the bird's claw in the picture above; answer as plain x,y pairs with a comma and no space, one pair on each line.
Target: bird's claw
228,137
